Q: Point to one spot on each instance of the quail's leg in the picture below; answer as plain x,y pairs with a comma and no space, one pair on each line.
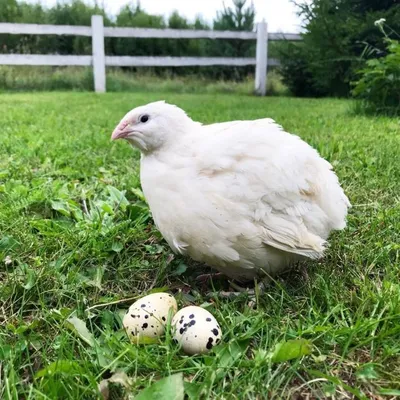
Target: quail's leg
259,288
205,278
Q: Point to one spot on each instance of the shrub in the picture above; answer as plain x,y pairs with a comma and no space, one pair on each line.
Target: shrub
295,70
378,86
334,38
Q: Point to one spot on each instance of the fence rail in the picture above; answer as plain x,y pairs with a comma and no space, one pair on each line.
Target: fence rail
128,61
98,60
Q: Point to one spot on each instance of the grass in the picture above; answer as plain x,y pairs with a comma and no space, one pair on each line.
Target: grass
25,78
76,240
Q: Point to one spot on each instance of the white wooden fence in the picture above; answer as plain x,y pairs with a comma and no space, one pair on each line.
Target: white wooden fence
99,60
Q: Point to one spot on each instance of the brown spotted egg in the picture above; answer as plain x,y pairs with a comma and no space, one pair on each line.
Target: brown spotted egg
196,330
147,316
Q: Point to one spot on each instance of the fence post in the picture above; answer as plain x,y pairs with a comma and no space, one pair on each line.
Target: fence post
261,58
98,55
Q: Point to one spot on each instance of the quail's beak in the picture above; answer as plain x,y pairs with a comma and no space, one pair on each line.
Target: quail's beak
122,131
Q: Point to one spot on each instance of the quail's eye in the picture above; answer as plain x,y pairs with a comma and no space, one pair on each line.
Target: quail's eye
144,118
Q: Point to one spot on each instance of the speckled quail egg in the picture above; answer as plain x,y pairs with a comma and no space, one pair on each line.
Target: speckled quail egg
196,330
147,316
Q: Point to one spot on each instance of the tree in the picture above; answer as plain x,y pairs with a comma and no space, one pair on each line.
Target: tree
134,16
12,11
240,17
75,12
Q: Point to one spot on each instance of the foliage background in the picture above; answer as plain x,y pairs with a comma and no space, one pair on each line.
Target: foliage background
239,17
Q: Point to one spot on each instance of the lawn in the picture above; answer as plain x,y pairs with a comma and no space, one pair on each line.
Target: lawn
77,246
